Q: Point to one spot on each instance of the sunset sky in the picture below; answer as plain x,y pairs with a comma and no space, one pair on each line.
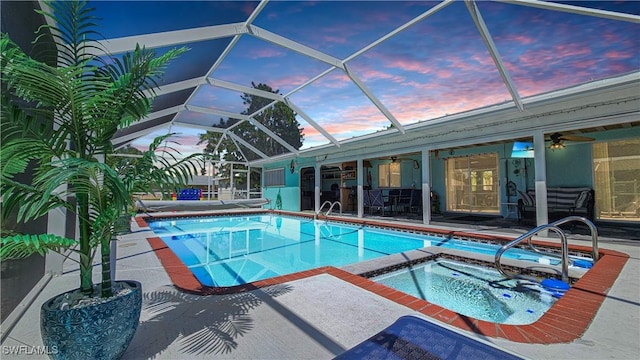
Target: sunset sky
438,66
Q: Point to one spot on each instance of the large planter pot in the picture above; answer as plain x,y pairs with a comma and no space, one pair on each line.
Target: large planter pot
97,331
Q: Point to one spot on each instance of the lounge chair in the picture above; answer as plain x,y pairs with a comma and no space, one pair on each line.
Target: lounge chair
412,337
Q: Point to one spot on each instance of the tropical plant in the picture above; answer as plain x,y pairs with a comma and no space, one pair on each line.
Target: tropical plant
62,119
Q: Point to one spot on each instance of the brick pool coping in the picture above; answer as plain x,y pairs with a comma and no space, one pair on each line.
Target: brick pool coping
564,322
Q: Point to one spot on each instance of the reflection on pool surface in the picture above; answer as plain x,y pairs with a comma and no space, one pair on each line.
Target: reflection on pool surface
235,250
472,290
224,251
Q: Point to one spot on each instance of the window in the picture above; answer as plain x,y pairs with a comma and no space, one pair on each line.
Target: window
389,175
616,168
274,177
472,183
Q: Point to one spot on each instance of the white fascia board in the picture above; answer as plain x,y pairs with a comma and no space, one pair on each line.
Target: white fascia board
173,38
576,10
374,100
266,35
245,89
493,51
216,112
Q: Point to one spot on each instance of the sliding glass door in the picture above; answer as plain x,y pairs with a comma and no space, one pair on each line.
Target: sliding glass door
472,184
616,167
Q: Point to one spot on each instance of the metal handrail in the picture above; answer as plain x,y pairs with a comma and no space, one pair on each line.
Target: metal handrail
528,236
592,228
331,205
315,215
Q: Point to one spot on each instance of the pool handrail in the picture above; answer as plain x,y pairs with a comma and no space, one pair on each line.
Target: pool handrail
592,229
528,236
331,205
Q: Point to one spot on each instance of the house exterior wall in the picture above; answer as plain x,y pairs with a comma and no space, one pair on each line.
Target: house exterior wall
569,167
18,277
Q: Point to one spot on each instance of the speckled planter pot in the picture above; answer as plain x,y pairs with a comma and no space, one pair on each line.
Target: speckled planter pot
101,331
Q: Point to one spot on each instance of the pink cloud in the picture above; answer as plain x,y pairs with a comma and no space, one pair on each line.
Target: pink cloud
618,55
334,39
371,74
575,49
265,53
410,65
519,39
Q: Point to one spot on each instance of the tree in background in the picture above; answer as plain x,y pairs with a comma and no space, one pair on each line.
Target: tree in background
118,162
280,119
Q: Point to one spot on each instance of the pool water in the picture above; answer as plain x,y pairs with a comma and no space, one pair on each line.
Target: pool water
239,249
472,290
235,250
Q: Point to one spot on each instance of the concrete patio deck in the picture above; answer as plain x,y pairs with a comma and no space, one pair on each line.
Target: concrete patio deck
317,317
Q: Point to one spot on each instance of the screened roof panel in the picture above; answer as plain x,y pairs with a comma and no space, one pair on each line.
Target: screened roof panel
336,104
354,68
170,100
448,72
185,139
214,97
199,119
338,28
129,18
258,61
195,62
546,50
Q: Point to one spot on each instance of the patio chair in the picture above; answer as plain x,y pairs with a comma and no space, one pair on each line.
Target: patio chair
392,199
416,201
366,200
376,200
404,200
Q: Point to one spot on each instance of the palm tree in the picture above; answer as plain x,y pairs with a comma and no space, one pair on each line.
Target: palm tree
63,118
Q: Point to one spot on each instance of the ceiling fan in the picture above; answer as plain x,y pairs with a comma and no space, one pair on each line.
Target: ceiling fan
558,139
416,164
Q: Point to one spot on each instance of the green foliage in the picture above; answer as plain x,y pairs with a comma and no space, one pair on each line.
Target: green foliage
280,119
21,246
60,121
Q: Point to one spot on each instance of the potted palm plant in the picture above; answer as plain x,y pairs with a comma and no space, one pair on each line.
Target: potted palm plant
62,119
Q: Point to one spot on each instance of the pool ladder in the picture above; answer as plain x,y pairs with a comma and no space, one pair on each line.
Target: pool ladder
564,255
331,205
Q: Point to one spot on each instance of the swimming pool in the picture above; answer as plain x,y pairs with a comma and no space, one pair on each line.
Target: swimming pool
472,290
223,251
235,250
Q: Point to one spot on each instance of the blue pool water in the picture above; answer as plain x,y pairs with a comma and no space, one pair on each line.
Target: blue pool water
473,291
235,250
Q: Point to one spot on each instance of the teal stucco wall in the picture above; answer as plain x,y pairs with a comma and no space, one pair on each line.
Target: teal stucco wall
289,193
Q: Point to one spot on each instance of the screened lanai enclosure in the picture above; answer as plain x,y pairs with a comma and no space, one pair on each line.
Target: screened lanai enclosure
421,95
425,107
